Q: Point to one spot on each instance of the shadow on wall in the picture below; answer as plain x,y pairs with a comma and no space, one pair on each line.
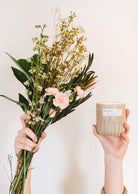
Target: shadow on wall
74,181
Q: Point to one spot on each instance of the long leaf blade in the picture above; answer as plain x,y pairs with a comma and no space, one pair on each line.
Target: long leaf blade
19,65
19,75
16,102
25,65
23,100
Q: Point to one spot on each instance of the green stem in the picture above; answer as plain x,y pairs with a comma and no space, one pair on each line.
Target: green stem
27,157
24,171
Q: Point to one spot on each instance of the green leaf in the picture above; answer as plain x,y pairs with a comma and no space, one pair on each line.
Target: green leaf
91,57
19,75
23,100
20,65
22,78
25,65
46,110
47,106
45,68
35,58
61,115
16,102
37,26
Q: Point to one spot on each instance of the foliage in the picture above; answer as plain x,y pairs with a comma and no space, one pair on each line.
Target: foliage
56,81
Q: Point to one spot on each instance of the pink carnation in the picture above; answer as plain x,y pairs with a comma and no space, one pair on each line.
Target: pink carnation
52,113
79,91
51,91
61,100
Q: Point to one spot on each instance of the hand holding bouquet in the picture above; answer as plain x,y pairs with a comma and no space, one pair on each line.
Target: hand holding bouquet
56,82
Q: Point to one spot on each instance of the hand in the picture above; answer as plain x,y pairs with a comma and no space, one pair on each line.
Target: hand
22,142
115,146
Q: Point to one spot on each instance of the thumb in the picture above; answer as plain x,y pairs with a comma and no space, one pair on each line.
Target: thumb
43,136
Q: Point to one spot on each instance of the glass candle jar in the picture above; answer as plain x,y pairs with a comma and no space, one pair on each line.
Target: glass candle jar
110,118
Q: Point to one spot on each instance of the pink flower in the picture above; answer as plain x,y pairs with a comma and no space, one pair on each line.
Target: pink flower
61,100
51,91
52,113
79,91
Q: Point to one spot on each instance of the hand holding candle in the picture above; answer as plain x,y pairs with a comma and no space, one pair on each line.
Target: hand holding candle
115,146
110,118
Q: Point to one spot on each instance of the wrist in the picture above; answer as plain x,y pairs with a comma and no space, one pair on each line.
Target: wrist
112,158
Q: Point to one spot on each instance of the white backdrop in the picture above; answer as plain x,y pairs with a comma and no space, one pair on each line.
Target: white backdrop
70,160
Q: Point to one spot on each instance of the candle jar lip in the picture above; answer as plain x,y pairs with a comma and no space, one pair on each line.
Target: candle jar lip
115,102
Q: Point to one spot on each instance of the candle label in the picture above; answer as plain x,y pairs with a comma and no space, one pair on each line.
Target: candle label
112,112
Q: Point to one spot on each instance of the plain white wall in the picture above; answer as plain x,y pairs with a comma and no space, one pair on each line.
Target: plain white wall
70,160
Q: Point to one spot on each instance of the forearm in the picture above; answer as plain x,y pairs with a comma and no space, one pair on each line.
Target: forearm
113,175
27,187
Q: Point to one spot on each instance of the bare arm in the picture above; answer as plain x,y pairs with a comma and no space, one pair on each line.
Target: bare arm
114,151
22,142
113,175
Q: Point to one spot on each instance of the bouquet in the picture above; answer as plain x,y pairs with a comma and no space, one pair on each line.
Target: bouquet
56,81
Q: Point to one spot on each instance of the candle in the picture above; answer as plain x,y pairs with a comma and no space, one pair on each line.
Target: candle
110,118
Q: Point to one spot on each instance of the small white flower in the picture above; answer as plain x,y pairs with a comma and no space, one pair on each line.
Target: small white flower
28,92
41,101
29,122
38,118
44,75
39,88
32,70
33,123
27,83
28,60
33,114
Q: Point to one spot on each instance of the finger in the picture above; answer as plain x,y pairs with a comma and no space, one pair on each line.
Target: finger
127,128
20,146
21,133
30,134
23,118
43,136
26,131
127,114
27,142
125,138
100,137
